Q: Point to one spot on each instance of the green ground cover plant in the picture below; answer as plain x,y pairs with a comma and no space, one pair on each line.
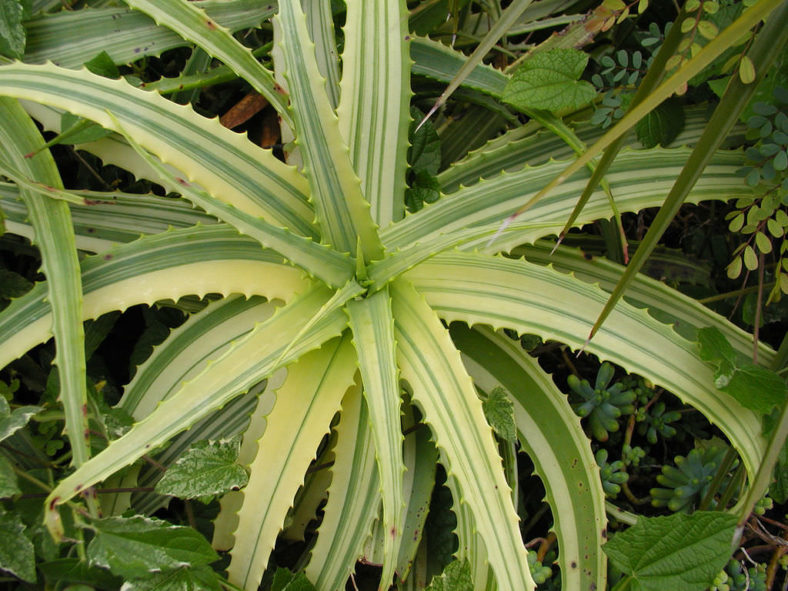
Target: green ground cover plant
418,327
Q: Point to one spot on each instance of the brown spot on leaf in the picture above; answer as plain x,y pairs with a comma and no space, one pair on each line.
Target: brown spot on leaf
108,257
211,25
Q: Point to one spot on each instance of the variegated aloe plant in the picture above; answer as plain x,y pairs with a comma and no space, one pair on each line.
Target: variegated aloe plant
371,312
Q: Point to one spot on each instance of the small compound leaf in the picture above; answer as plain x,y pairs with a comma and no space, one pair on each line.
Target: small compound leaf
455,577
678,552
549,81
200,578
8,483
137,546
12,32
756,388
11,423
662,125
205,468
284,580
17,555
499,412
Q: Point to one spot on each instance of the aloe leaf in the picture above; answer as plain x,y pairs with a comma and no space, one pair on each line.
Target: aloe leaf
220,161
320,22
435,60
319,261
69,38
342,212
507,18
763,52
302,414
353,498
532,299
374,108
727,38
551,434
373,337
54,236
442,388
193,24
211,259
251,359
662,301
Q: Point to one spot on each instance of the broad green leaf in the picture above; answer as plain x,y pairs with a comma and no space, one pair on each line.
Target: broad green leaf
455,577
342,212
679,552
103,65
77,130
662,125
73,570
12,421
374,103
8,481
200,578
12,32
284,580
372,325
756,388
549,81
714,347
137,546
424,153
443,390
17,555
301,416
779,488
499,411
206,468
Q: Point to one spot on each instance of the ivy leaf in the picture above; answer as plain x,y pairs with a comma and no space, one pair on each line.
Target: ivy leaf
499,412
678,552
550,81
284,580
662,125
8,482
12,32
205,468
103,65
714,347
11,422
17,555
455,577
424,153
201,578
137,546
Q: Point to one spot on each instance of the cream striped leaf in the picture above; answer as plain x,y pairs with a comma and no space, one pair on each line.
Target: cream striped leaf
445,394
529,298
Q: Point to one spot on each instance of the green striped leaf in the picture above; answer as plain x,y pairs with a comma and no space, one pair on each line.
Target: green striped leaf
342,212
374,109
220,161
69,38
373,337
248,361
302,414
551,434
531,299
193,24
353,498
54,236
445,393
